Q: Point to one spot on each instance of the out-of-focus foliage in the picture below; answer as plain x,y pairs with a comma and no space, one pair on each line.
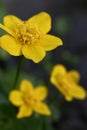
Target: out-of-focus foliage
62,25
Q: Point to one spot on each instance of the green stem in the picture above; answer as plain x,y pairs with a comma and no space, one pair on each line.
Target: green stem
18,71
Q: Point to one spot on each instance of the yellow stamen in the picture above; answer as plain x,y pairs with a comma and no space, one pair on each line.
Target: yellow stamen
27,33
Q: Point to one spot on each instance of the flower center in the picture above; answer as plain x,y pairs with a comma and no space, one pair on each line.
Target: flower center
66,84
30,100
27,33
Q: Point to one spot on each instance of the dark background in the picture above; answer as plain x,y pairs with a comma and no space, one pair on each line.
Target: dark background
69,22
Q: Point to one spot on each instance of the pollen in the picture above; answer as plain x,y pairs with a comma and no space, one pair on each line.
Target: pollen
27,33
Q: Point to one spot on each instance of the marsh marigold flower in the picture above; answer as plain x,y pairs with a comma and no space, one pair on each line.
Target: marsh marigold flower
29,99
67,83
28,38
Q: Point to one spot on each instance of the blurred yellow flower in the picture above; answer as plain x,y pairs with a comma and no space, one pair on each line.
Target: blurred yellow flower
67,83
29,99
29,38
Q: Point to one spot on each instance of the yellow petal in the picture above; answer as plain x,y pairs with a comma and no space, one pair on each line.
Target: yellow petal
26,86
7,30
42,20
68,98
78,92
33,52
50,42
11,22
15,98
24,111
57,73
59,70
53,80
66,93
42,108
63,91
9,44
75,75
41,92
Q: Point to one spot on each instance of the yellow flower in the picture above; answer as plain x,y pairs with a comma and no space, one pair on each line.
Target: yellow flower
67,83
29,99
29,38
